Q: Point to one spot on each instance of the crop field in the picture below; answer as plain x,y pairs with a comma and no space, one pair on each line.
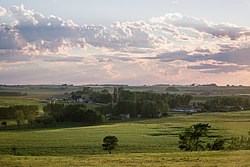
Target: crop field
140,141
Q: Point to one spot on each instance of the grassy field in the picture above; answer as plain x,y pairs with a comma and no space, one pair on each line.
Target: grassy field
140,141
49,91
151,142
15,100
180,159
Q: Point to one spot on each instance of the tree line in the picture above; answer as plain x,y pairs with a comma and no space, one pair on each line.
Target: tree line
20,113
53,114
73,113
226,103
146,104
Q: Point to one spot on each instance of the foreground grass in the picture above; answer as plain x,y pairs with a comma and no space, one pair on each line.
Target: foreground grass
212,158
143,136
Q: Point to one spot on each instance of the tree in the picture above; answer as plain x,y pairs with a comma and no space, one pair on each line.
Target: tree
55,110
101,97
4,123
126,107
45,120
92,117
19,117
30,113
149,109
190,138
110,143
105,109
126,95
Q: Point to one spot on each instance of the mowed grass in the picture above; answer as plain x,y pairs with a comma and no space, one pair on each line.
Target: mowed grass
180,159
138,136
133,137
152,142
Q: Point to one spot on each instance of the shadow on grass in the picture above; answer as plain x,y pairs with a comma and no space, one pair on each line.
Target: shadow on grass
25,127
164,134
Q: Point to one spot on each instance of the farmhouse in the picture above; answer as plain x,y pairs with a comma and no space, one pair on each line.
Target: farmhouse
186,110
125,116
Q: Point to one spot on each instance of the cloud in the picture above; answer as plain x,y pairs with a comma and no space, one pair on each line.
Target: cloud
217,30
43,35
2,11
204,61
10,38
239,56
217,68
11,56
36,34
109,69
170,48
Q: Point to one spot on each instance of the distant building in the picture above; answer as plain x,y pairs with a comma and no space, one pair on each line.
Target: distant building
126,116
54,100
186,110
80,100
108,115
71,100
159,114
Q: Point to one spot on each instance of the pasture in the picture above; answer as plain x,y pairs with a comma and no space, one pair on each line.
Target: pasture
140,141
180,159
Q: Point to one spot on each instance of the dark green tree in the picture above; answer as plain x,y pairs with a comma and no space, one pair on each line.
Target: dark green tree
149,109
126,95
109,143
101,97
55,110
126,107
4,123
190,139
19,118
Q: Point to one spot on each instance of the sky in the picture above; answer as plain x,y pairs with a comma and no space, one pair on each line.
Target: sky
134,42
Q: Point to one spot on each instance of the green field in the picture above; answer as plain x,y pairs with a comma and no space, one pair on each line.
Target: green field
49,91
180,159
140,141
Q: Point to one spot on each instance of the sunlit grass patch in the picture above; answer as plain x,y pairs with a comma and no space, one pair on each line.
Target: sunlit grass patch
180,159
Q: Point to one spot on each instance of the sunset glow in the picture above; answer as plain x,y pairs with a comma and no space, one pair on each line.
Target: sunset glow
42,45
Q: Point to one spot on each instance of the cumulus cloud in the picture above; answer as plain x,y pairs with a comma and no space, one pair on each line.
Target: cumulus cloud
33,33
218,30
164,47
10,39
41,34
2,11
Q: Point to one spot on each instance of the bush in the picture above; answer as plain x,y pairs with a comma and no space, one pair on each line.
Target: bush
239,143
218,144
